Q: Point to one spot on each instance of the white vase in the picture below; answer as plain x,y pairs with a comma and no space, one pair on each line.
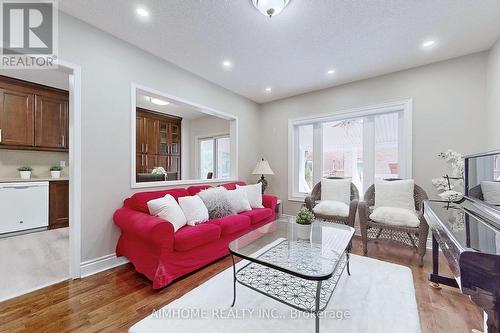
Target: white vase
55,174
25,174
303,231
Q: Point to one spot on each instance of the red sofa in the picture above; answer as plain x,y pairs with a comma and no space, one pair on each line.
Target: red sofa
162,255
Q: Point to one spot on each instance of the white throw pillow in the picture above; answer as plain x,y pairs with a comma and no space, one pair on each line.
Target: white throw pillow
328,207
168,209
194,209
395,193
239,200
395,216
254,194
491,192
336,190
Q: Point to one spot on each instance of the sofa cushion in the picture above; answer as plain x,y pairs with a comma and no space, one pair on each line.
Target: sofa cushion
232,186
189,237
139,201
258,214
232,223
193,190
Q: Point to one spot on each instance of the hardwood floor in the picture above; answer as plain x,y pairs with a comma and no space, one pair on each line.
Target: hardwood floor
114,300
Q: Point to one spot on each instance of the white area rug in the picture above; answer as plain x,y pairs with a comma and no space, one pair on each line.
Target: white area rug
32,261
377,297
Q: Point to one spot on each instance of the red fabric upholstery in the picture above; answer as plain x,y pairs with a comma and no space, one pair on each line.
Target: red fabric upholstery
232,223
258,214
189,237
193,190
162,255
232,186
139,201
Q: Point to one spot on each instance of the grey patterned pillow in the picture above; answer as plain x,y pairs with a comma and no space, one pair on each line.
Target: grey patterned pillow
217,202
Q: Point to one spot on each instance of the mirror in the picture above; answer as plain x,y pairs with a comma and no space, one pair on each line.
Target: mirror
482,178
176,141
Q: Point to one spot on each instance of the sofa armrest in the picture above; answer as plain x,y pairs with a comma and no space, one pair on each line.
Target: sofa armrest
147,228
269,201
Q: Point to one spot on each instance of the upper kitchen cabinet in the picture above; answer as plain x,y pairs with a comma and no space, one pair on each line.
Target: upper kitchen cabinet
32,116
16,118
51,121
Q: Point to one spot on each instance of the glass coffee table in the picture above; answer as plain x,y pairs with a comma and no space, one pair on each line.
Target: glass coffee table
301,273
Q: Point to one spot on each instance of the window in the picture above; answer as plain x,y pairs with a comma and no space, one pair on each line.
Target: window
364,145
215,157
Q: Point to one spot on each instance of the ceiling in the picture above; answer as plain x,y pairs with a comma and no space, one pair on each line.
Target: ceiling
173,108
292,52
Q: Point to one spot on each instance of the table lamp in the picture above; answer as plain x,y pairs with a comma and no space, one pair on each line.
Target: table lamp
262,168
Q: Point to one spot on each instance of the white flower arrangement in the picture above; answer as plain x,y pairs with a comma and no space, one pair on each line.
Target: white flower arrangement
446,185
159,171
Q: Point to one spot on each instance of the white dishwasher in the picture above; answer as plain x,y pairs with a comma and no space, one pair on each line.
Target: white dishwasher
23,206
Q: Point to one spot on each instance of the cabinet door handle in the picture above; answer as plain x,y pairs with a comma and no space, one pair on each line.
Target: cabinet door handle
62,140
0,135
146,148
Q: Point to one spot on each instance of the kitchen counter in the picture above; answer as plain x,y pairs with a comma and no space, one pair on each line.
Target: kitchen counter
33,179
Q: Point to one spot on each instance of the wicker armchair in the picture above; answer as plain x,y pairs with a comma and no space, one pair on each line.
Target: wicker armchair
310,202
412,236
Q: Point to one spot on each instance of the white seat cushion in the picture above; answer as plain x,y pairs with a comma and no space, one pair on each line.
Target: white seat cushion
330,207
491,192
395,193
395,216
168,209
336,190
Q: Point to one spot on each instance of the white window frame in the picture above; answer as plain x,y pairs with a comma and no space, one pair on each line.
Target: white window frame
405,109
198,153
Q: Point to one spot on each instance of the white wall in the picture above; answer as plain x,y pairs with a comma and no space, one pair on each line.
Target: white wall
448,113
493,97
109,66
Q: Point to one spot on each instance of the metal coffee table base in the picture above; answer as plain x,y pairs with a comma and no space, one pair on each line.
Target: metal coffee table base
311,296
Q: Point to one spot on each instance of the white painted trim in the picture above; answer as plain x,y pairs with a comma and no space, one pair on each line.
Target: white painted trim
100,264
405,105
27,291
233,133
75,164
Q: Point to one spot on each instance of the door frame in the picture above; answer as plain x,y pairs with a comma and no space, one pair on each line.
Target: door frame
75,164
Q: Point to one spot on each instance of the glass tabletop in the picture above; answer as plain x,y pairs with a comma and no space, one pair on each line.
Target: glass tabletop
279,245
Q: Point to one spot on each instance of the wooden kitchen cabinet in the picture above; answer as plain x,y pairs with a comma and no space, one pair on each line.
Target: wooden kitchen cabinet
32,116
51,121
58,204
158,142
16,118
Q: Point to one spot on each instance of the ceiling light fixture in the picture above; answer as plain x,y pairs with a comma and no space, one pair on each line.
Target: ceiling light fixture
270,7
268,89
227,64
429,44
158,101
141,11
331,71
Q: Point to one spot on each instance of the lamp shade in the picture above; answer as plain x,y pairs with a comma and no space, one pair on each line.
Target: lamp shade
262,168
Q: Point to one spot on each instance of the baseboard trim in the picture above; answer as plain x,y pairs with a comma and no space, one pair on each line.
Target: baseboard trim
27,291
100,264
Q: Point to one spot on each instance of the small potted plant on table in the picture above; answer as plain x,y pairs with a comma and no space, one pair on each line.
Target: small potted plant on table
304,220
25,172
55,171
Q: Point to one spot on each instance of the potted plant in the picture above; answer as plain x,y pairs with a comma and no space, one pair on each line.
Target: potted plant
304,220
55,171
25,172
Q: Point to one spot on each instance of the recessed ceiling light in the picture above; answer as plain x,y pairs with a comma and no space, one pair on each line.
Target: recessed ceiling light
429,44
331,71
141,11
227,64
269,89
158,101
